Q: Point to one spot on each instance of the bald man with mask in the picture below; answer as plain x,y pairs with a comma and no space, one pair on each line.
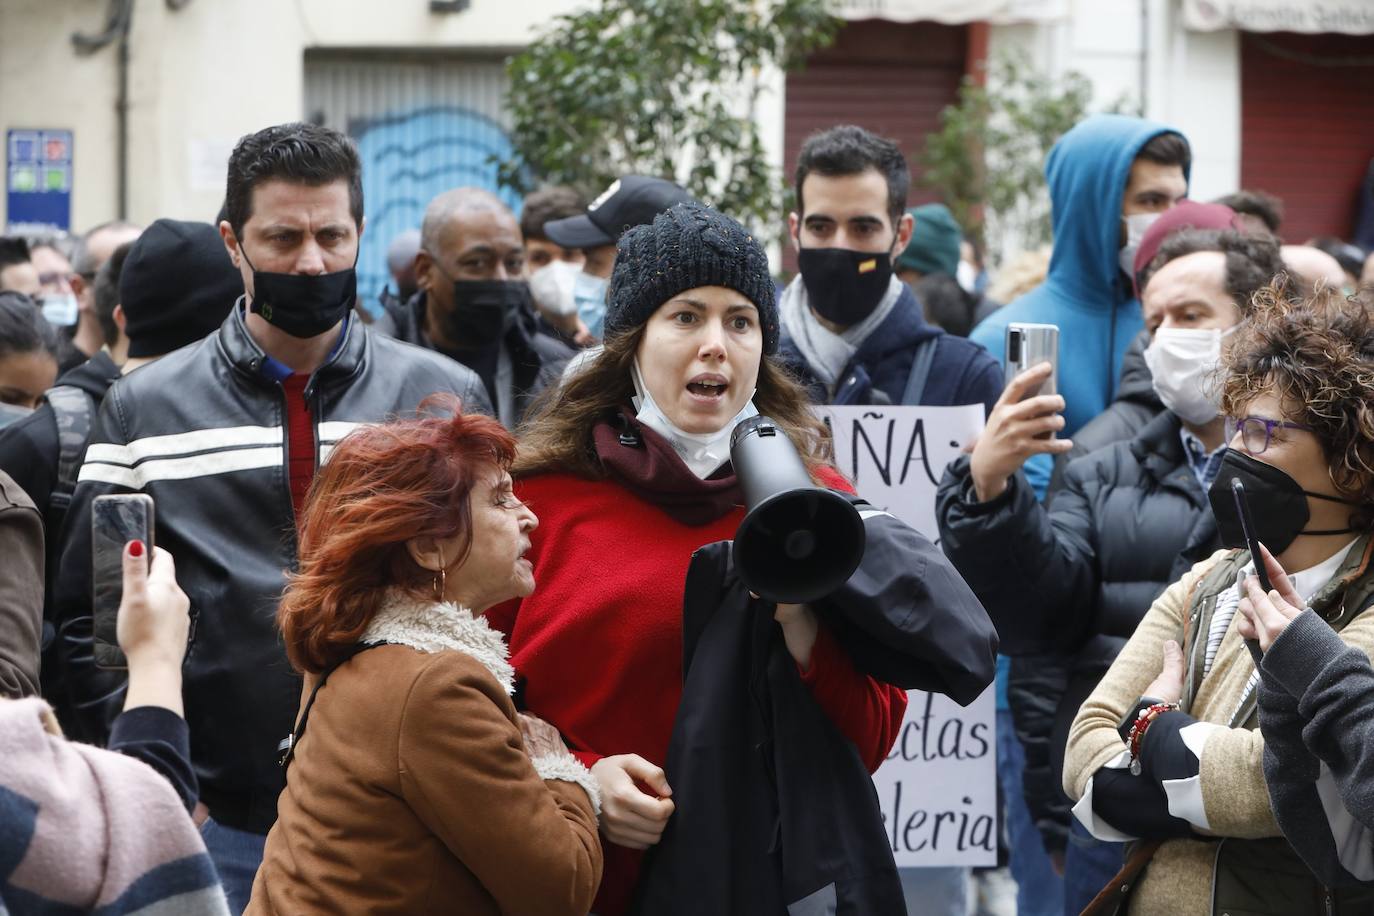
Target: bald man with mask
473,304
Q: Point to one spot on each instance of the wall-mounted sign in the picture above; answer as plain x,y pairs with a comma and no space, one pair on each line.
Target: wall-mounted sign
38,180
953,12
1350,17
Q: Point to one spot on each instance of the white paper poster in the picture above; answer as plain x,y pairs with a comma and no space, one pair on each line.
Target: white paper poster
938,788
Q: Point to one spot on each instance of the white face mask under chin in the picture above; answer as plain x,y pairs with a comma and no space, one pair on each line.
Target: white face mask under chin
1137,224
1183,365
703,453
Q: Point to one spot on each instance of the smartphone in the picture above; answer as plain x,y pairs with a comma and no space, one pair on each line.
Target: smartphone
1029,345
1247,528
115,521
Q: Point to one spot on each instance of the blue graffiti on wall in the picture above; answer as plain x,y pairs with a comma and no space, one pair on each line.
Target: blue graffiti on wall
407,160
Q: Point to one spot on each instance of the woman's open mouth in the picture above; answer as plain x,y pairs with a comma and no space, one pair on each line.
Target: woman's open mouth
708,387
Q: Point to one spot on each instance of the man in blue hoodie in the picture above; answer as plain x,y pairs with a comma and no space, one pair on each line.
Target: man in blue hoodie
851,329
1110,177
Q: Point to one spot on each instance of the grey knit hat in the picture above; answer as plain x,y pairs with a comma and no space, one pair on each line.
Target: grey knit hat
687,246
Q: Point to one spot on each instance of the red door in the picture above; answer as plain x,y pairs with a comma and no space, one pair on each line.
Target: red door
1307,126
891,78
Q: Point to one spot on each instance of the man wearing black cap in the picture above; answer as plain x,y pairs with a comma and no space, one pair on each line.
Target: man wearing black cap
225,436
633,200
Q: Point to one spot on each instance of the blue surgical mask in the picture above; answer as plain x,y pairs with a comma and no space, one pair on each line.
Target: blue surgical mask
589,293
60,309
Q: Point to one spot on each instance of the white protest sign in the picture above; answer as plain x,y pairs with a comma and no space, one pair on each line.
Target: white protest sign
938,788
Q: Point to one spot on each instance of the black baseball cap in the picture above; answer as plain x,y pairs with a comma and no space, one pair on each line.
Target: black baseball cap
633,200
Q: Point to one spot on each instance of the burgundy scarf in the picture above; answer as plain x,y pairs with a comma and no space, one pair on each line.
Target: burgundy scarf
645,464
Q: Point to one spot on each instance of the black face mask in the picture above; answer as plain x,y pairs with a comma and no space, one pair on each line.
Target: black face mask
1278,504
483,310
301,305
844,286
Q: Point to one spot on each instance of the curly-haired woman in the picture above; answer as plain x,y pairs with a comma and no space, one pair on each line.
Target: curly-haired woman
413,785
1167,751
630,467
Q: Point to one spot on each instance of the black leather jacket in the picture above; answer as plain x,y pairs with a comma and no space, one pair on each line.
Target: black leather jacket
203,432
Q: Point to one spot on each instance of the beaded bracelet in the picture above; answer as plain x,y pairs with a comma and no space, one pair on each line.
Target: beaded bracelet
1140,726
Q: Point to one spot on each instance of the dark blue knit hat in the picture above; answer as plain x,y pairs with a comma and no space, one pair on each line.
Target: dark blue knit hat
687,246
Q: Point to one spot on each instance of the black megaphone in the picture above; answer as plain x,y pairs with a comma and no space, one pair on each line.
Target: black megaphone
798,542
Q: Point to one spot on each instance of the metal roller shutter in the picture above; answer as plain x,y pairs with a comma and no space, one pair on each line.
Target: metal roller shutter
891,78
424,123
1307,125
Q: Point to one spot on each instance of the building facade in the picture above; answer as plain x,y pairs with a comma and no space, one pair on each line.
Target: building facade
1273,94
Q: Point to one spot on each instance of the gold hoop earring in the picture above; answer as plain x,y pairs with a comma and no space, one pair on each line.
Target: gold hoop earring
440,585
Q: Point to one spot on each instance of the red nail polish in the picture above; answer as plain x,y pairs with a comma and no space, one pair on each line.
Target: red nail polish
135,548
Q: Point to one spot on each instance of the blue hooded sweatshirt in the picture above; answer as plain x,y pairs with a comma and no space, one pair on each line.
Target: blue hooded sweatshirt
1085,292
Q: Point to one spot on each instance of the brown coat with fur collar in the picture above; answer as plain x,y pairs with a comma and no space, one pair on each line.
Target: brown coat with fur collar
411,792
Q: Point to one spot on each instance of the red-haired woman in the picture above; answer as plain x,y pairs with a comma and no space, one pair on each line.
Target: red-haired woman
413,785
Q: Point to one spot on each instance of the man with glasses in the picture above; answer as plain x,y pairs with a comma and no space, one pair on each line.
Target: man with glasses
1131,518
92,251
473,304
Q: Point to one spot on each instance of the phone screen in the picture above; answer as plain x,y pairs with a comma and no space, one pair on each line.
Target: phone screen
115,521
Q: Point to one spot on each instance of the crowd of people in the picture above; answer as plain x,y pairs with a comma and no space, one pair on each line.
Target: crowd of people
441,614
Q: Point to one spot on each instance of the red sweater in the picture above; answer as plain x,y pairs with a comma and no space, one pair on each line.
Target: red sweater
599,643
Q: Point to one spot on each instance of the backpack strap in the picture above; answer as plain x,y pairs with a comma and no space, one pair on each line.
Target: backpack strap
921,361
73,410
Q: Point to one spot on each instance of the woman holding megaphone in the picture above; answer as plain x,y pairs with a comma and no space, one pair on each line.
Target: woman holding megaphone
731,737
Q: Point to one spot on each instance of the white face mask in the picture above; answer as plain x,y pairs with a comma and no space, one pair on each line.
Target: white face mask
967,276
1137,224
703,453
60,309
552,287
1183,363
590,294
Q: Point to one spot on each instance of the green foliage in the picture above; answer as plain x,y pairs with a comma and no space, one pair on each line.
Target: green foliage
988,158
659,87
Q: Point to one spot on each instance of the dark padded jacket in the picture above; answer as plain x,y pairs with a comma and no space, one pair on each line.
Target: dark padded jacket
202,431
962,372
1136,404
1077,578
1036,683
537,360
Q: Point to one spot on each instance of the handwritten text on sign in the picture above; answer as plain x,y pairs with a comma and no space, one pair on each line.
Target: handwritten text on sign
938,788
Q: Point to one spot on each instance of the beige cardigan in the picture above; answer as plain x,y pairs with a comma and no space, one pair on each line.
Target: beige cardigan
1178,880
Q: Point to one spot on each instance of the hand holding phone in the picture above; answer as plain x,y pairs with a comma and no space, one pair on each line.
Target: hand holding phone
115,521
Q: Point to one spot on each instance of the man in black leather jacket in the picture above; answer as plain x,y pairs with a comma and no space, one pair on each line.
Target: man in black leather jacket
1074,579
225,435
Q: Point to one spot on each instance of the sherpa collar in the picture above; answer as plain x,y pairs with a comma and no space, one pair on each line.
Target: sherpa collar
431,626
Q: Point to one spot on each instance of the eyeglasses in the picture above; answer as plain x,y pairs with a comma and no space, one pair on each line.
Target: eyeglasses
1256,432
